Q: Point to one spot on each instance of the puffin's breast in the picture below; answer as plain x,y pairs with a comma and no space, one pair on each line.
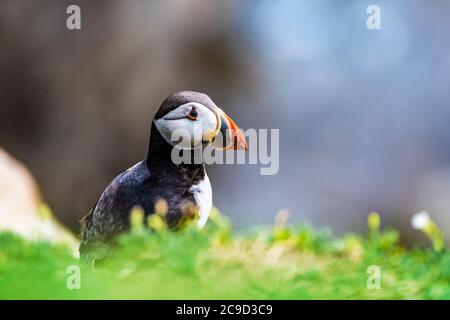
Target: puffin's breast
202,193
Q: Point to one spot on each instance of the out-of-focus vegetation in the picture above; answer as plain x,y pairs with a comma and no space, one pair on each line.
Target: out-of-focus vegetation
281,262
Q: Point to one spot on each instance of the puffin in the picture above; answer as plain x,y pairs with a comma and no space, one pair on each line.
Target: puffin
186,121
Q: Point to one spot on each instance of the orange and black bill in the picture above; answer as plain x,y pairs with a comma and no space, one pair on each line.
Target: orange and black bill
231,137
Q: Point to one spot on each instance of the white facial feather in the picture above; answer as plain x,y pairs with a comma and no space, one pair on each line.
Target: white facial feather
183,132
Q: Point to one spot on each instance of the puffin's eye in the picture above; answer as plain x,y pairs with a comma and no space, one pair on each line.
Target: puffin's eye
193,115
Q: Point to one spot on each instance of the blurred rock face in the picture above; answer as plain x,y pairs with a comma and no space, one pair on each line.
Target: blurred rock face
19,196
21,207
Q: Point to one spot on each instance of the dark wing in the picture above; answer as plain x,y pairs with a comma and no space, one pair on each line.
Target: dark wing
99,226
110,215
86,223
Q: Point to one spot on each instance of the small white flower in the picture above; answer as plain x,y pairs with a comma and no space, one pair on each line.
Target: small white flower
420,220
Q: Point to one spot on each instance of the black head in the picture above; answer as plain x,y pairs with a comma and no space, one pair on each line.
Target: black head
189,119
182,97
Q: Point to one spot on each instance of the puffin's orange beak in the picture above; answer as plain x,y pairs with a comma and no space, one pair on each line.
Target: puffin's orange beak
233,139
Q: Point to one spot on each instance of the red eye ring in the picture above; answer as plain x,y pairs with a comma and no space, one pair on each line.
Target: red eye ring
193,115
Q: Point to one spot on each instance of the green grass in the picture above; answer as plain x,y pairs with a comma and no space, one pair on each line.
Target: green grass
280,262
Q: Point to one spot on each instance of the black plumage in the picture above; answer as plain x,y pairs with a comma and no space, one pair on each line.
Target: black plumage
142,185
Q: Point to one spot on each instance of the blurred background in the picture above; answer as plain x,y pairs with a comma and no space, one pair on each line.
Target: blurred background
364,116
